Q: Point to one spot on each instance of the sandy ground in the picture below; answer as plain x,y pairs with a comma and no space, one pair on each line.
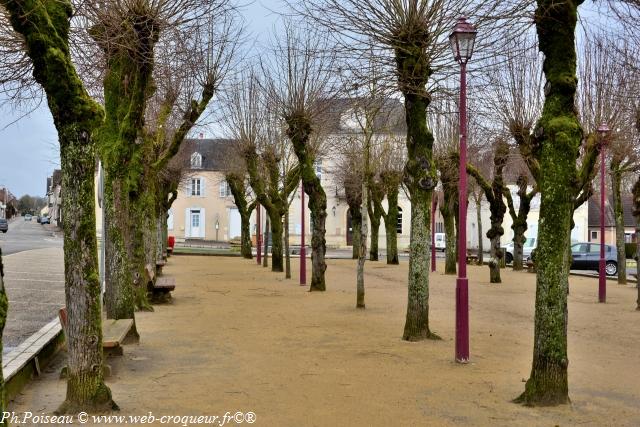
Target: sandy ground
240,338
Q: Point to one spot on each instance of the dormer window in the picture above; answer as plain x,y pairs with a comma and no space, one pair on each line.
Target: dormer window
196,161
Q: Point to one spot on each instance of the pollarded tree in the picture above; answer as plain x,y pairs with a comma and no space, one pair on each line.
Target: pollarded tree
555,150
519,217
44,27
448,164
239,191
299,84
494,192
260,142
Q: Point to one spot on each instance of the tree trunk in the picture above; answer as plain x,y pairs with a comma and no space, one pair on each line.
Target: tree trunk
356,232
391,227
4,308
245,236
375,236
86,389
480,236
420,180
277,261
119,292
618,214
287,251
494,262
237,187
362,249
265,258
298,131
451,251
518,247
45,28
560,137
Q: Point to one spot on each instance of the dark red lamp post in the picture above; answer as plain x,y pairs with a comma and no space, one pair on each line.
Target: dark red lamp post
258,236
603,131
303,254
462,41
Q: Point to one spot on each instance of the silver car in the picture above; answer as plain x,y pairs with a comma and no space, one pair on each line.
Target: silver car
4,225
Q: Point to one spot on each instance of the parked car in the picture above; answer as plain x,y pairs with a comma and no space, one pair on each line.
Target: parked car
38,218
4,225
528,246
586,256
27,217
45,220
441,242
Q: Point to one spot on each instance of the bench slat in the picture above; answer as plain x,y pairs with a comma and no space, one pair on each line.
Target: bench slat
114,332
165,283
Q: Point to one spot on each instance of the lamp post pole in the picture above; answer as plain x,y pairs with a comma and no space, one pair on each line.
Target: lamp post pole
434,204
462,41
258,236
462,283
303,254
603,130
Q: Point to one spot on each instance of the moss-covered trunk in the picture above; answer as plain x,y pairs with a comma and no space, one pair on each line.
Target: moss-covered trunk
480,236
277,256
298,131
86,390
451,251
374,220
391,227
356,224
119,292
265,240
636,213
238,191
287,251
559,137
618,215
4,308
45,27
494,262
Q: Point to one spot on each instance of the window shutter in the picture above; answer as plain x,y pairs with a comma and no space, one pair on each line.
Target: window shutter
189,187
187,223
203,233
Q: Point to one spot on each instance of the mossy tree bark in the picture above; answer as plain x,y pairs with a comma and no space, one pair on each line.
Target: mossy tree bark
449,176
4,308
239,192
265,258
374,208
636,213
519,218
356,223
419,175
478,200
45,28
618,215
298,130
494,194
391,225
271,194
558,137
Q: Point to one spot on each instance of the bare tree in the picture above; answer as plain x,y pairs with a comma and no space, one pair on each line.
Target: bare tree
299,82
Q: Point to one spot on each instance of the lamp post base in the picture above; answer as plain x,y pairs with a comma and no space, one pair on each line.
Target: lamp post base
462,320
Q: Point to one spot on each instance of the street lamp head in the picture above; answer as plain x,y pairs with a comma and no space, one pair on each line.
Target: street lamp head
603,130
462,40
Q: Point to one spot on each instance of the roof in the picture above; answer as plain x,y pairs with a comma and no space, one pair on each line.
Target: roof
214,152
594,211
339,114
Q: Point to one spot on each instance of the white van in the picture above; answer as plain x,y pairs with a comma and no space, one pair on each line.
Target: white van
529,245
441,242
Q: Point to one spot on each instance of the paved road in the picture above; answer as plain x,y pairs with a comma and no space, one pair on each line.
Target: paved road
34,278
27,235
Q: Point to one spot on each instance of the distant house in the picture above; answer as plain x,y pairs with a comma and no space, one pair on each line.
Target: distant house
8,203
204,208
609,220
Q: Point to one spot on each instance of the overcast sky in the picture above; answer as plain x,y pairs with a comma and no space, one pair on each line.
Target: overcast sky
29,147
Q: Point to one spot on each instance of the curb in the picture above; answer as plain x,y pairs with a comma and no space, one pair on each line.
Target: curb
26,361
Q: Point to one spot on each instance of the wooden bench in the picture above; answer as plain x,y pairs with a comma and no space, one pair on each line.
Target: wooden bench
114,332
159,265
162,288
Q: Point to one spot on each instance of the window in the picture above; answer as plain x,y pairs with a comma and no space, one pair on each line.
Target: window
196,187
399,224
439,227
196,161
579,248
594,249
317,165
225,190
594,235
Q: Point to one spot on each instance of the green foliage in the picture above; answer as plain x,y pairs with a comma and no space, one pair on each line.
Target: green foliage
630,250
